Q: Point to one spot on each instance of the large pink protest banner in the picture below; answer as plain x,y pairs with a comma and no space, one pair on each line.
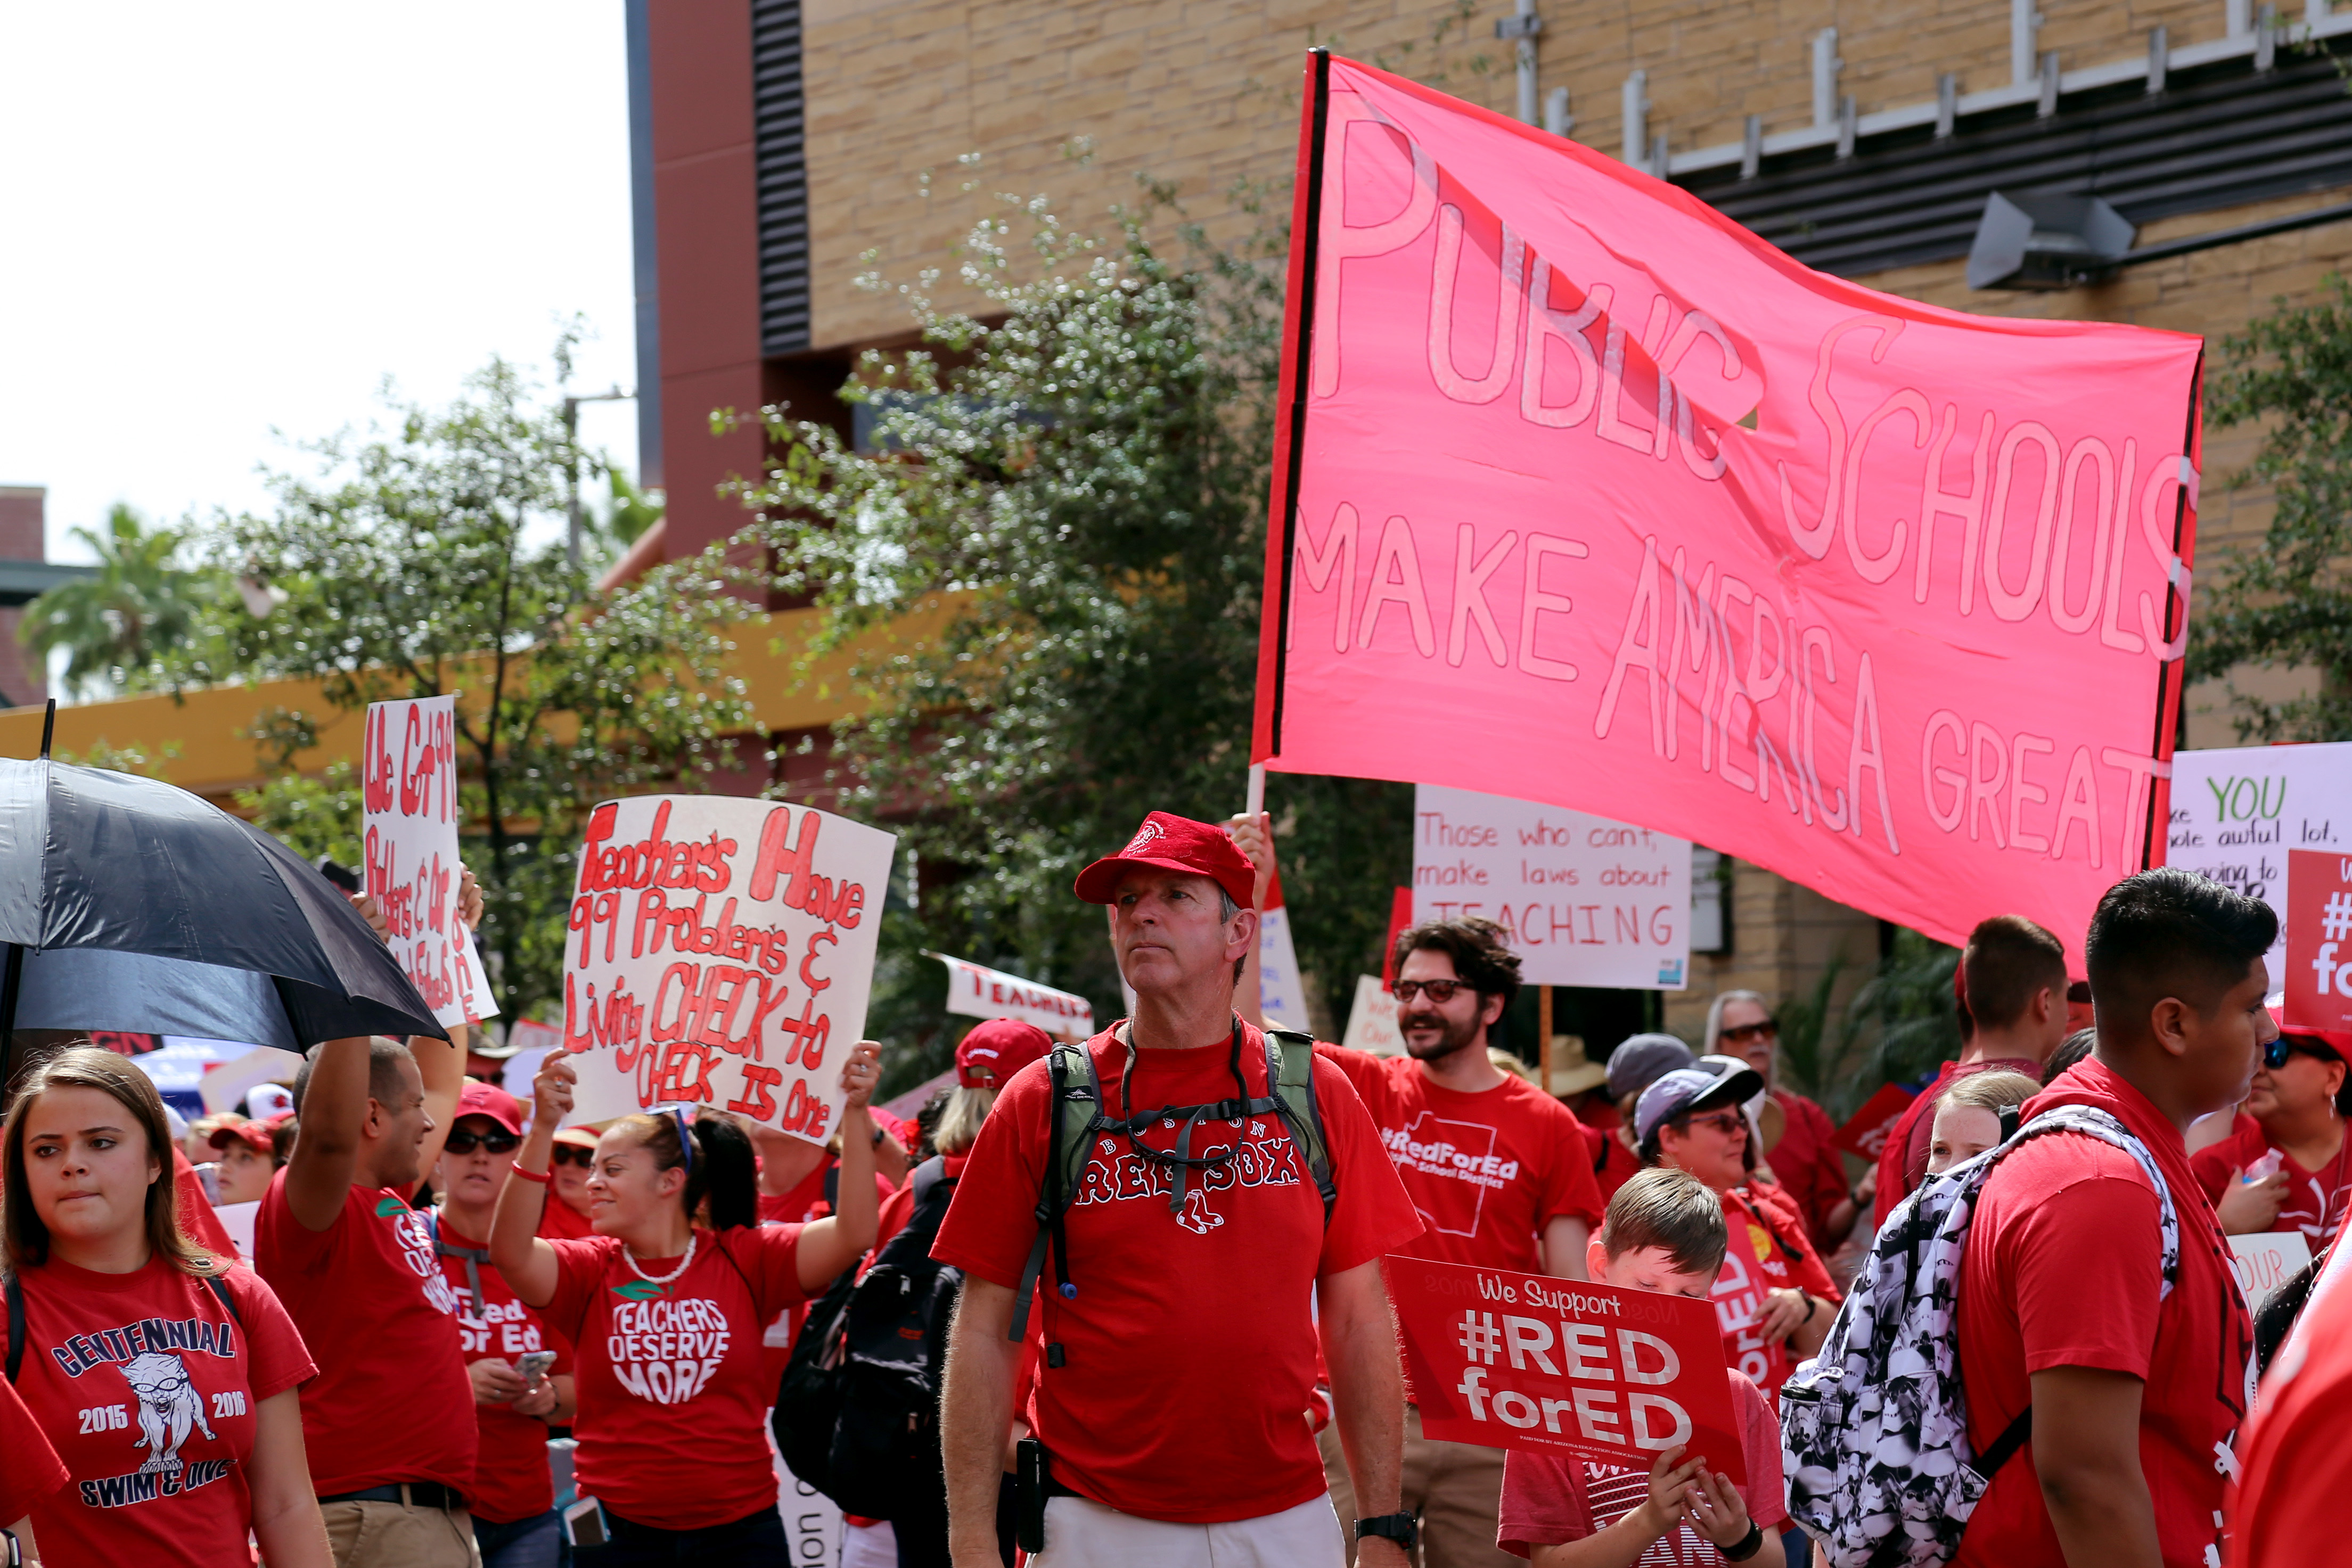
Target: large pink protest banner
1584,495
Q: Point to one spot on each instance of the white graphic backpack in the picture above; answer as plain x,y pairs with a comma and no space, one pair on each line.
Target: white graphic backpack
1875,1428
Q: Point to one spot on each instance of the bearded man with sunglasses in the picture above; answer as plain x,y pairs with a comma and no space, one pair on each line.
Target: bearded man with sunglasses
516,1397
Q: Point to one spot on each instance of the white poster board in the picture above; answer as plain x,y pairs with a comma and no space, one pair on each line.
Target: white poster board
1281,993
1587,900
721,953
977,991
408,775
1372,1019
2237,811
2265,1262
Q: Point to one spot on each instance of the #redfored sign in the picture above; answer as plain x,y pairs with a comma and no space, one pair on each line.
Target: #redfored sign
721,952
1584,495
408,796
1526,1361
1866,1132
2318,979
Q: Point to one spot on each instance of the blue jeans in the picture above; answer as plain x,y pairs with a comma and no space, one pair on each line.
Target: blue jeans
755,1542
535,1543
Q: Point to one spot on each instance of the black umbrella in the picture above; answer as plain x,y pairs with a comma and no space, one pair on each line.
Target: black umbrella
130,903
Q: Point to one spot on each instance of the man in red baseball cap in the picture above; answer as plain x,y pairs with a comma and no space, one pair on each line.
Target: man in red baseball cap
1169,1406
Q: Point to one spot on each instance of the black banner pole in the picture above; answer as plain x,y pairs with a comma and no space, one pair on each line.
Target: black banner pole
1302,356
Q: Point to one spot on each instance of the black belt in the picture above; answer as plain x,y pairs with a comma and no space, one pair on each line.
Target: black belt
411,1494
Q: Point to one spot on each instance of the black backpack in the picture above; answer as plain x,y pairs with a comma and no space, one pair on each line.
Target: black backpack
857,1411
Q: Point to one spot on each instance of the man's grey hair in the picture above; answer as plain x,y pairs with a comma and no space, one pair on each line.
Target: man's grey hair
1226,907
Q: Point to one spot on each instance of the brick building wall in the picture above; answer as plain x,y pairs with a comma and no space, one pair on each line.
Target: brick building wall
24,678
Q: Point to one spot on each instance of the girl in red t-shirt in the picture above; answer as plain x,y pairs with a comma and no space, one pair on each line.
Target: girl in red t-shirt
164,1376
666,1314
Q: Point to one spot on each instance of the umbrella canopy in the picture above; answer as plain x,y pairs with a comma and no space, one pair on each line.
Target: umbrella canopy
137,905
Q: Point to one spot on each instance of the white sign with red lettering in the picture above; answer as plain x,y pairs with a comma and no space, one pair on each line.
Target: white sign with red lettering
976,992
1585,901
409,792
2267,1261
721,954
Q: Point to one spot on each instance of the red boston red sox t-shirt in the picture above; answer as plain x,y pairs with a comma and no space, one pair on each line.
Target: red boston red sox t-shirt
510,1476
2063,1268
1486,1172
149,1390
1769,1252
392,1401
1201,1308
2314,1201
672,1426
2289,1511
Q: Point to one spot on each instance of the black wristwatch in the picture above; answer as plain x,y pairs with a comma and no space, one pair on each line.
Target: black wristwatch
1401,1528
1748,1546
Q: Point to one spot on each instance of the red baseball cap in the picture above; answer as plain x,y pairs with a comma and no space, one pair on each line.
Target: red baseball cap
479,1099
255,1135
997,1049
1175,843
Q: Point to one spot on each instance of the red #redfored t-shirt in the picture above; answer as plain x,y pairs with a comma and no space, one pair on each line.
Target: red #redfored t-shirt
148,1391
1203,1310
2289,1511
2063,1268
673,1426
1486,1172
2316,1200
33,1470
510,1476
1769,1251
392,1401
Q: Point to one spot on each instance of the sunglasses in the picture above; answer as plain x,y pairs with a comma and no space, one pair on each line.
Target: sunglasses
463,1141
1437,990
1768,1029
1724,1122
574,1154
2275,1053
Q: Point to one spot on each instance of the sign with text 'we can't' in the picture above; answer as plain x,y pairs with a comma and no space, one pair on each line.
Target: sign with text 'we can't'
721,954
1586,901
1527,1361
409,800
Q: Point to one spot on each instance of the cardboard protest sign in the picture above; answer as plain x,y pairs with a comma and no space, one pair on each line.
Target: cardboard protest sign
1865,1133
2238,812
2315,967
1281,989
977,991
1527,1361
408,775
1583,494
2265,1262
721,955
1372,1019
1585,901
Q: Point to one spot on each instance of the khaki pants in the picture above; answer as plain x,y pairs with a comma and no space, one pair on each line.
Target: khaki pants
1082,1534
393,1535
1454,1486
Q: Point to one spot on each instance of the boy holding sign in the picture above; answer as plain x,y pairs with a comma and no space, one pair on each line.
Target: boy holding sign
1664,1232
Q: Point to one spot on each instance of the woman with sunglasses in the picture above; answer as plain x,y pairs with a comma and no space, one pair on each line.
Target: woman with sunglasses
665,1307
1801,1153
513,1496
2287,1164
566,1215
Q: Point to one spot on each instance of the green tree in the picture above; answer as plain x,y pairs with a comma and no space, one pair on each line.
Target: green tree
1080,491
124,628
429,559
2284,601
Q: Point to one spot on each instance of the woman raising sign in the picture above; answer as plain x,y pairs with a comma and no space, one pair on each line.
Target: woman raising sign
666,1304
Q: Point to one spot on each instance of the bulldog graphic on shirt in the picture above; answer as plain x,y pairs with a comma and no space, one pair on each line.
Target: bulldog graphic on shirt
169,1406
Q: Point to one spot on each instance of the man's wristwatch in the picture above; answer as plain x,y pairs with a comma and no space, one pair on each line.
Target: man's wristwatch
1749,1545
1401,1528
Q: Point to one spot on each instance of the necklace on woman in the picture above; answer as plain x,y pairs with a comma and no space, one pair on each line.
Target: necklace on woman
631,1260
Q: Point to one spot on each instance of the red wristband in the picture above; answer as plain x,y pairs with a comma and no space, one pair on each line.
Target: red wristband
541,1177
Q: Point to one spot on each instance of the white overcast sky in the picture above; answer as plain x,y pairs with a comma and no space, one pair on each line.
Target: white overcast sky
221,221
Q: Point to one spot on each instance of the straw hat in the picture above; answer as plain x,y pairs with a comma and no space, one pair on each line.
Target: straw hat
1571,1073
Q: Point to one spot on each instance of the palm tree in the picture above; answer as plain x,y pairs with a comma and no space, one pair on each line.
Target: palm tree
119,625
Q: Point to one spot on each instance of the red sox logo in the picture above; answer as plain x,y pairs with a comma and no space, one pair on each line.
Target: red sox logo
1145,836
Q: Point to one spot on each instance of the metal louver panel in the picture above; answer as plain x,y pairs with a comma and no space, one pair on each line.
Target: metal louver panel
782,149
2221,137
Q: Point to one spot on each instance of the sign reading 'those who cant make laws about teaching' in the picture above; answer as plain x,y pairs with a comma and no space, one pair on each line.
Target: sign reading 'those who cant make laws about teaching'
1527,1361
721,952
1586,901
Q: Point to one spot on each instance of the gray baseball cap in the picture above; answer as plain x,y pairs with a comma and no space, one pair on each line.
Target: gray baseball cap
1641,1059
1722,1081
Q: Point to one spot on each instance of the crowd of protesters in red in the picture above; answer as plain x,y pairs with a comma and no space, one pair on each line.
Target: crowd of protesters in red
1190,1358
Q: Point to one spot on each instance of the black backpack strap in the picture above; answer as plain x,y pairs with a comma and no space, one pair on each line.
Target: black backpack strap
15,1325
219,1284
1051,1199
2013,1437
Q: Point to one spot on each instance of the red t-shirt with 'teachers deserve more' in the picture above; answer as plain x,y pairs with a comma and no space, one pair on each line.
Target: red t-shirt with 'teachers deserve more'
510,1476
392,1402
151,1392
673,1425
1190,1345
1486,1172
2063,1268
